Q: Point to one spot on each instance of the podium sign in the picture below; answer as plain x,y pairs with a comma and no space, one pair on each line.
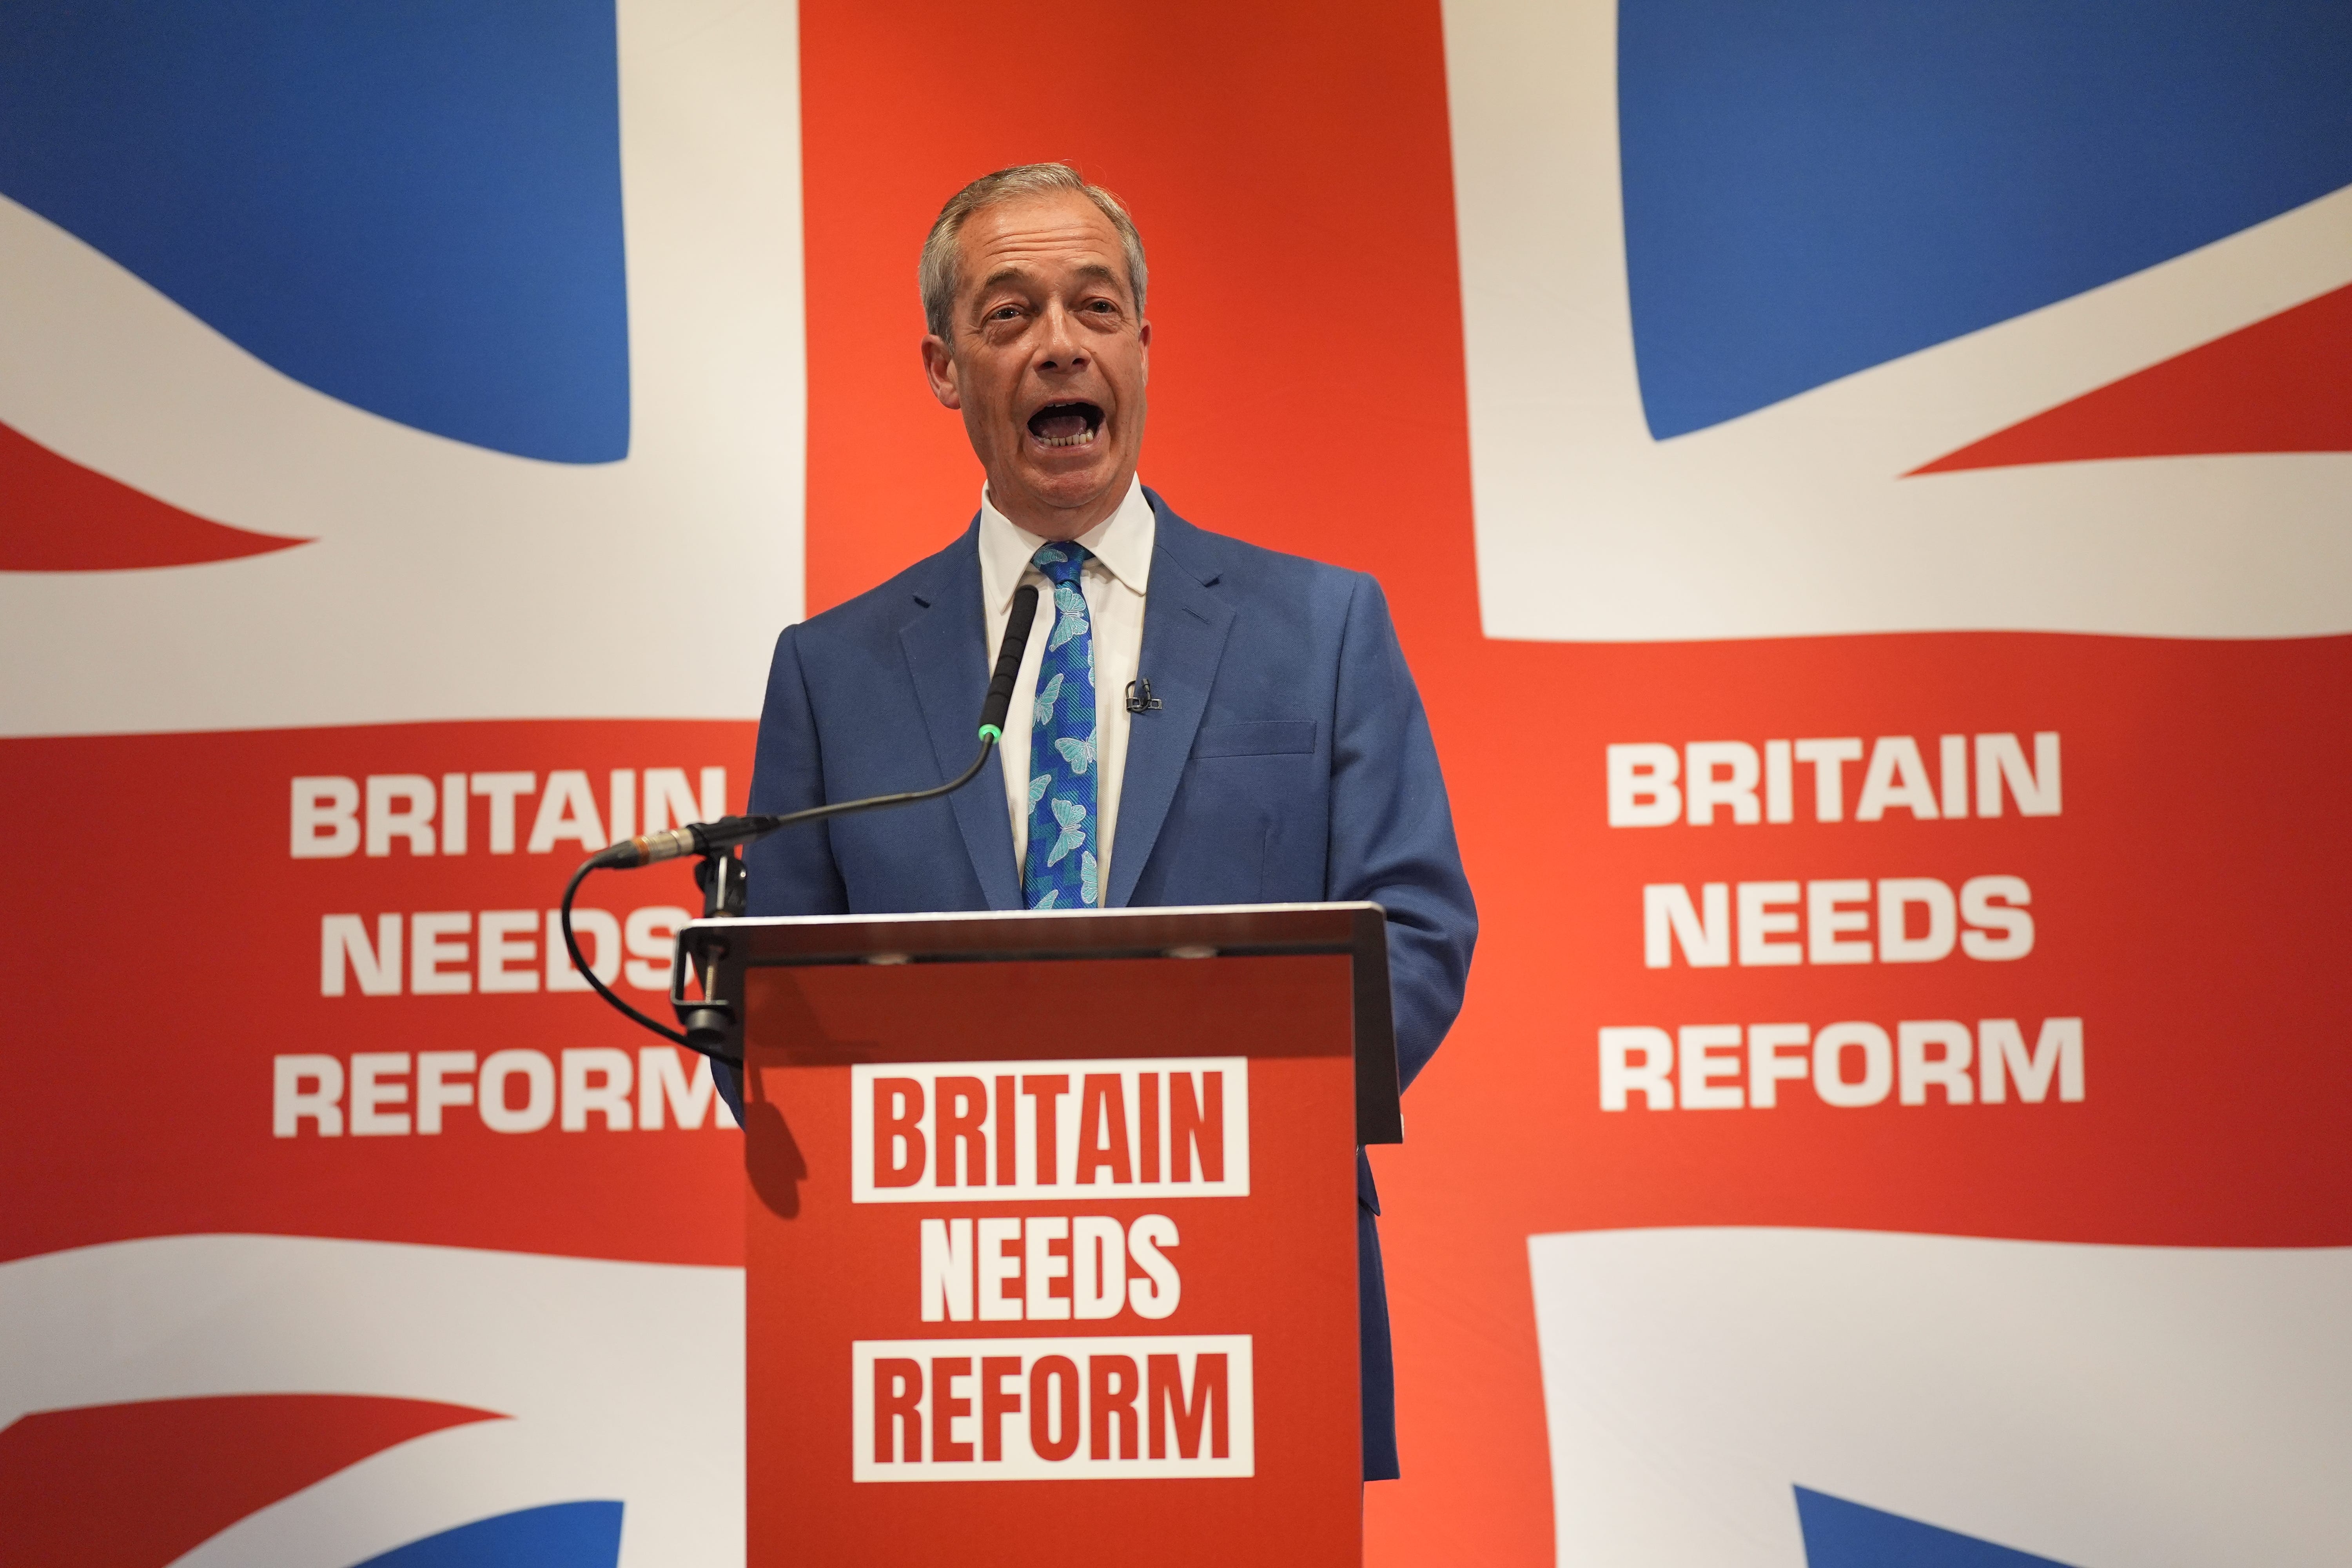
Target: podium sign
1051,1233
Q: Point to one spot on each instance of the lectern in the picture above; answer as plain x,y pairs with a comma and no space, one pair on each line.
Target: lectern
1051,1231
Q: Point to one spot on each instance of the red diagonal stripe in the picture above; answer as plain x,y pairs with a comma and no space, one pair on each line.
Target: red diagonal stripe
134,1486
2284,384
58,516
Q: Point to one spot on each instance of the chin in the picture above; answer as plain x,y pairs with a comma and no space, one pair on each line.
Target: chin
1066,489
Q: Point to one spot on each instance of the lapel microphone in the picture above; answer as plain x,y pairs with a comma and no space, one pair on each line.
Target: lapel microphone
1138,697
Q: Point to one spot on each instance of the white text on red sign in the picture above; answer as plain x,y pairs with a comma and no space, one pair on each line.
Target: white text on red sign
1049,1266
1849,1065
1651,784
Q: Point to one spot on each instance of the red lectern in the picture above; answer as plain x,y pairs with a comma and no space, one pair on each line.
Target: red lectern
1051,1231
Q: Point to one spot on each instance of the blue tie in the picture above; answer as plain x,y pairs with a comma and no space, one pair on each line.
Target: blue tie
1060,872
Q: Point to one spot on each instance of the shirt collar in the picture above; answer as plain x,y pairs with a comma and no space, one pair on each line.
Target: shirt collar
1121,542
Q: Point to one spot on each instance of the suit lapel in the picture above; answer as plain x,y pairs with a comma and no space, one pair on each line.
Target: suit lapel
946,648
1184,630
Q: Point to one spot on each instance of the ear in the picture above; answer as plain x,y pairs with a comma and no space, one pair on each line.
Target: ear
939,369
1143,341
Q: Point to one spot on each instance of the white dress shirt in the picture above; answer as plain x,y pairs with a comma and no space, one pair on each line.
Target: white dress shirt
1113,582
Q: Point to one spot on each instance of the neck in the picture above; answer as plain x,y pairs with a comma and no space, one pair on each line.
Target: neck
1058,525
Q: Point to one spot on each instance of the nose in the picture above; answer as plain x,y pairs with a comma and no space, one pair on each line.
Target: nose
1060,348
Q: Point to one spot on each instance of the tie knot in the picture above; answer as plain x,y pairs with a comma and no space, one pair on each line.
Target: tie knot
1061,563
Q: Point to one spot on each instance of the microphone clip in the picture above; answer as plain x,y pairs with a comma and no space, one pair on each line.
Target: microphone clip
1138,697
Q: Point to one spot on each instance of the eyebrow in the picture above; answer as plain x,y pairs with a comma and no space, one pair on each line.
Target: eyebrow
1019,274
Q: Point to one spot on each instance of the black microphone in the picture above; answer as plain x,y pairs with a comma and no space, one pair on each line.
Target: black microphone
718,839
1008,665
708,837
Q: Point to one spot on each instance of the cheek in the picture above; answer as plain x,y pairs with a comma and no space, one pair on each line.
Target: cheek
988,391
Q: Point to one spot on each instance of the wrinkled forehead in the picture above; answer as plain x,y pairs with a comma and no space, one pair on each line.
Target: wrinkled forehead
1050,239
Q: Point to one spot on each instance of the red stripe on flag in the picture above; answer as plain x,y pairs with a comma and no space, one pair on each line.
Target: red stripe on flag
136,1485
2284,384
58,516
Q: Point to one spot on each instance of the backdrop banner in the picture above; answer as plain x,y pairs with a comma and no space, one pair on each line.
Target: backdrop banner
1866,492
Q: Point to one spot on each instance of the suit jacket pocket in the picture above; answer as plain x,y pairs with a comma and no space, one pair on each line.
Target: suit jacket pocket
1255,738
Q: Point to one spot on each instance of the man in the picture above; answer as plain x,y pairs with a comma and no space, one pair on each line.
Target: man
1280,754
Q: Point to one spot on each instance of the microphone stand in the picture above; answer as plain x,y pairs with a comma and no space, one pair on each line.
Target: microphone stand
707,1024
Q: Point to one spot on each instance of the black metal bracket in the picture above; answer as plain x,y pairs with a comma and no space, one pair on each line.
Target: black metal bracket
708,1021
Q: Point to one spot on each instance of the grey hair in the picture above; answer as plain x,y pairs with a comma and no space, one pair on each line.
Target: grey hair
937,274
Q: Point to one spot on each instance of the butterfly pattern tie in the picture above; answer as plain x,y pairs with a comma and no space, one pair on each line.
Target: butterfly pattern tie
1060,871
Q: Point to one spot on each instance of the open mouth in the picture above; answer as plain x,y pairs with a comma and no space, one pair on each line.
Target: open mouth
1065,423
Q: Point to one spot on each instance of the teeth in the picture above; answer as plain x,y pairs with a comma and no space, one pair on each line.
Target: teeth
1082,438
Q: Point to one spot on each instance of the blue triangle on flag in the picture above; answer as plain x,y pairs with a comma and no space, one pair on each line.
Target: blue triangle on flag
1817,186
412,205
555,1535
1841,1534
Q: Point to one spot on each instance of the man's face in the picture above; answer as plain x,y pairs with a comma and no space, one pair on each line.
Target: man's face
1047,361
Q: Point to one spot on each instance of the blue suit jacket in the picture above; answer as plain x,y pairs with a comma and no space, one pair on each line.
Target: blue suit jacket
1290,762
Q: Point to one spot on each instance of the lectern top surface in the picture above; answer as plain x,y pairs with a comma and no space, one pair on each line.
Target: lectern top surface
733,954
1206,931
